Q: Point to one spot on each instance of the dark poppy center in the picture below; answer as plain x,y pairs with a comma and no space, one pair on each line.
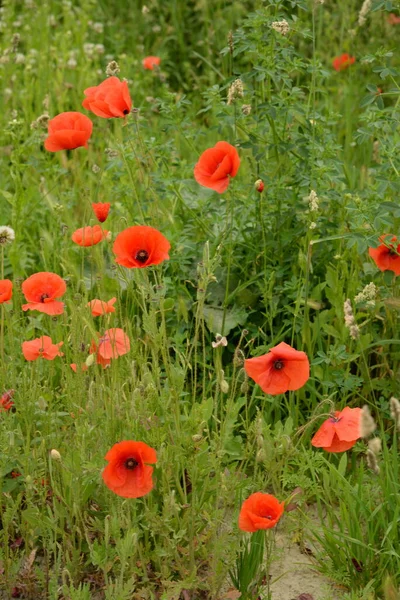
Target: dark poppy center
141,256
393,252
43,297
267,517
278,365
131,464
126,111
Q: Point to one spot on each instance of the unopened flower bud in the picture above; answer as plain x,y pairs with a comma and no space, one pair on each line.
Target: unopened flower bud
90,360
259,185
55,455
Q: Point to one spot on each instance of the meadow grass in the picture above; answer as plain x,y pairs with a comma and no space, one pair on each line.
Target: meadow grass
258,268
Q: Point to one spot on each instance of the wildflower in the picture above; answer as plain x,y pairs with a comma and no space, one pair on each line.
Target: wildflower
55,455
283,368
67,131
313,201
343,61
395,411
97,27
260,511
101,210
387,255
259,185
281,27
350,321
42,347
109,99
246,109
367,424
219,341
128,473
150,62
7,235
99,307
41,291
41,122
312,225
235,91
6,287
74,367
96,169
93,352
140,246
340,432
113,343
89,236
216,165
365,8
367,295
6,402
393,19
112,69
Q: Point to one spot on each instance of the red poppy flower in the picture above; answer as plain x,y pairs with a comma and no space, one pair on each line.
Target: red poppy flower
6,402
5,290
128,473
393,19
100,307
109,99
113,343
150,62
42,347
104,362
140,246
216,165
340,432
260,511
67,131
282,369
74,367
89,236
343,61
101,210
41,291
387,255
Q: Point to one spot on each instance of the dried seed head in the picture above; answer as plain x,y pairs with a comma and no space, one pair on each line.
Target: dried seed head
375,445
368,424
112,69
246,109
394,405
55,455
313,202
238,358
366,7
281,27
372,462
235,91
350,321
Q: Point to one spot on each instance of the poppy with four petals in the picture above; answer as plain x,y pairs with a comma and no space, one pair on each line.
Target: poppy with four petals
6,288
100,307
41,291
340,432
89,236
128,473
42,347
101,210
109,99
260,511
282,369
67,131
140,246
216,165
149,62
387,255
342,62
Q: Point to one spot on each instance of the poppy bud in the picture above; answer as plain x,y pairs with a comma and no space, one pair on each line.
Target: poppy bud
259,185
90,360
55,455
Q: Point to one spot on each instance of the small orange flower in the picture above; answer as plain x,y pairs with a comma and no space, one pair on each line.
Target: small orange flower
140,246
67,131
113,343
109,99
6,287
41,291
387,255
104,362
340,432
128,473
260,511
343,61
74,367
101,210
89,236
216,165
282,369
42,347
6,402
100,307
150,62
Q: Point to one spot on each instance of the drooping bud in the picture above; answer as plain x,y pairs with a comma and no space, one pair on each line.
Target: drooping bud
259,185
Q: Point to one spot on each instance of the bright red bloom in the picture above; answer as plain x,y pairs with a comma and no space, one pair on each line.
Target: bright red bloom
260,511
101,210
393,19
104,362
283,368
150,62
6,402
387,255
113,343
109,99
41,291
42,347
340,432
6,287
127,473
100,307
89,236
67,131
140,246
216,165
343,61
